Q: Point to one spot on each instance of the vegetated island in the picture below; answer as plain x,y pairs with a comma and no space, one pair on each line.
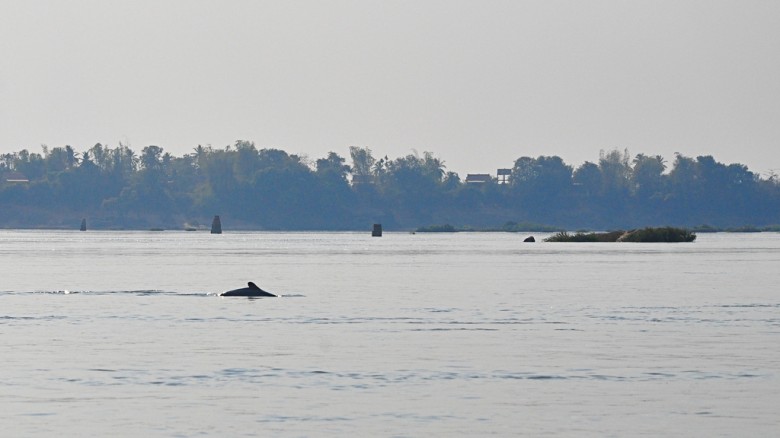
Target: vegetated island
645,235
585,235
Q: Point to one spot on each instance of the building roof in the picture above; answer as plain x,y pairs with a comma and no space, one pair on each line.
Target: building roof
16,177
478,178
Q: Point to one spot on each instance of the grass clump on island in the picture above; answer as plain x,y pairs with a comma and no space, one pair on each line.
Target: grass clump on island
580,236
659,234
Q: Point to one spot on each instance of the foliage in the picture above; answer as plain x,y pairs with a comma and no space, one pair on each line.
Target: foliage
514,227
611,236
660,234
744,229
563,236
446,228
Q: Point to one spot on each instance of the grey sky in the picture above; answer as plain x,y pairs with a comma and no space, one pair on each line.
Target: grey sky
479,83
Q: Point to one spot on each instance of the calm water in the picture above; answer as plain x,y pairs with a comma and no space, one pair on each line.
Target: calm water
122,334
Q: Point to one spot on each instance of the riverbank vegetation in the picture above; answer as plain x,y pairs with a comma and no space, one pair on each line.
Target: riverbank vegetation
266,188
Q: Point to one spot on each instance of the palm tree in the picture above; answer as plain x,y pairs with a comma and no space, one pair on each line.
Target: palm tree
434,167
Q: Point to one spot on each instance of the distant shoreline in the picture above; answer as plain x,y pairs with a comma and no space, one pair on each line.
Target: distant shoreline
270,189
446,228
427,229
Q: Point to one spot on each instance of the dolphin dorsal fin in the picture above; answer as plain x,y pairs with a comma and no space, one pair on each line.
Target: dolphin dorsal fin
252,286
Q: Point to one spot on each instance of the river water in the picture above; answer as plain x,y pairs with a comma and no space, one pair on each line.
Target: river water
469,334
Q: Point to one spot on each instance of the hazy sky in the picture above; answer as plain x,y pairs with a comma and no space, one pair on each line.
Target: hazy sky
479,83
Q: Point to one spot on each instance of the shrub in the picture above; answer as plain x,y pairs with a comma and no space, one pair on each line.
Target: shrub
662,234
563,236
446,228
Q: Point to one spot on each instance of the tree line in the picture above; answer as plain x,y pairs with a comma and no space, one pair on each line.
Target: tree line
251,188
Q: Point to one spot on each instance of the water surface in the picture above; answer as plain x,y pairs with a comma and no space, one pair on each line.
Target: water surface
466,334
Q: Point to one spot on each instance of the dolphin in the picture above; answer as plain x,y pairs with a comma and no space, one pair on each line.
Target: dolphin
250,291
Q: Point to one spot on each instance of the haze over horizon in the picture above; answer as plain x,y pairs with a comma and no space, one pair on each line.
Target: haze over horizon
479,84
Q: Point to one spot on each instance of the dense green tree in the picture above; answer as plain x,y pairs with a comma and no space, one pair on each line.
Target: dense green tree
30,164
59,159
587,180
333,166
648,176
362,164
615,173
540,185
151,158
246,161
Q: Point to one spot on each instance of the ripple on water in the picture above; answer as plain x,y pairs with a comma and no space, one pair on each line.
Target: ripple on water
361,380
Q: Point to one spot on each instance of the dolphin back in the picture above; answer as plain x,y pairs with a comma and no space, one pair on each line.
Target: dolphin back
250,291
